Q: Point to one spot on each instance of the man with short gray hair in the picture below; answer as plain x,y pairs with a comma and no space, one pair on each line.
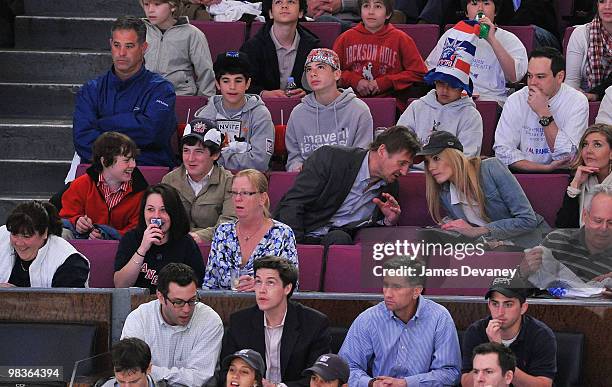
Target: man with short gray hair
586,251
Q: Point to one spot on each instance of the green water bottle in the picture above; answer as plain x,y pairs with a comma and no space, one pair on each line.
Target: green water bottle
484,28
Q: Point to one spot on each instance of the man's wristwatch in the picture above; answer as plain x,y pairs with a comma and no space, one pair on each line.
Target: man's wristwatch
545,121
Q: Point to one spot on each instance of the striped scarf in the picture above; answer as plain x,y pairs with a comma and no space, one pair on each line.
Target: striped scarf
599,54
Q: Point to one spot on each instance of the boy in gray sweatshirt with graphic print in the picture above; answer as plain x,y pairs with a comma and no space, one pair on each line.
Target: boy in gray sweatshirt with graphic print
328,116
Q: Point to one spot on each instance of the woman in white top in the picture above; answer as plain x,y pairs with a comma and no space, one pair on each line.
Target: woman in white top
593,167
33,253
589,54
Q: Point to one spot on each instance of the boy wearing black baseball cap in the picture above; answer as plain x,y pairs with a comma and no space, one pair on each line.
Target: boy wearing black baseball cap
328,368
202,184
532,342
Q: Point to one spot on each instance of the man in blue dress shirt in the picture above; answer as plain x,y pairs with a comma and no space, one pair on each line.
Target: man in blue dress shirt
406,340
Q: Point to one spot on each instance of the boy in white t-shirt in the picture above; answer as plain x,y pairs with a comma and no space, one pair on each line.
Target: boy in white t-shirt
500,58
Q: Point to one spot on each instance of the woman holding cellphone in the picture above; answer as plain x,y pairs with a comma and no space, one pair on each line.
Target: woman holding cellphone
162,236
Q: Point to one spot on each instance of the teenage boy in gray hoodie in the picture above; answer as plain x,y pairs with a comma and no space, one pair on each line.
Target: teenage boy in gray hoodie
243,118
446,107
328,116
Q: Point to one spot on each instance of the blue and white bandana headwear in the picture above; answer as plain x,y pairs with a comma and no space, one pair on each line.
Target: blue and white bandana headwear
457,55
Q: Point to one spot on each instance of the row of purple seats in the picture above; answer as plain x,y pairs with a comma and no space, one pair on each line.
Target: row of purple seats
101,255
152,175
327,32
544,191
382,109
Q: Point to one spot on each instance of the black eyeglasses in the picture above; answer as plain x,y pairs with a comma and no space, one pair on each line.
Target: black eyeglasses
181,303
242,193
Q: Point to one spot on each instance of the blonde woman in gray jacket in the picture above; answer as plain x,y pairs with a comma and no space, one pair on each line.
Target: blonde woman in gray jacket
177,50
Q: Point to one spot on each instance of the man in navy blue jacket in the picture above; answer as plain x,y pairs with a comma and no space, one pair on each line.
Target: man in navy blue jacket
128,99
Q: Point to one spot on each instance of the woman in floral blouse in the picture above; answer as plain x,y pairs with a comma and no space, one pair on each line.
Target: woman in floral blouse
237,244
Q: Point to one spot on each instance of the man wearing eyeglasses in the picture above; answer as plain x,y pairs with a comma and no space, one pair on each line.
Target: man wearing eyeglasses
586,251
532,342
184,334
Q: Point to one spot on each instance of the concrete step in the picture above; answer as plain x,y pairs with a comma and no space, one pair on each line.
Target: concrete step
74,33
46,100
32,139
8,203
52,66
32,177
99,8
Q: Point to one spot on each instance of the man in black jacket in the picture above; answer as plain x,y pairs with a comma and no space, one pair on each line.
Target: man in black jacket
341,190
279,49
289,336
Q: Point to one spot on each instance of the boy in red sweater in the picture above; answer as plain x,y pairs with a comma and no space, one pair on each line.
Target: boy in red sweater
377,59
104,203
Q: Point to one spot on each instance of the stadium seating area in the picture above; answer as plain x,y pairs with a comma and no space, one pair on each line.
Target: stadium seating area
65,47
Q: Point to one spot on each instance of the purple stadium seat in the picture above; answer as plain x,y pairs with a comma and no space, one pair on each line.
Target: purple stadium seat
279,184
327,32
101,255
424,35
593,110
473,285
564,9
311,265
526,35
383,111
222,36
545,192
488,112
205,250
188,103
277,104
153,175
412,201
566,38
343,270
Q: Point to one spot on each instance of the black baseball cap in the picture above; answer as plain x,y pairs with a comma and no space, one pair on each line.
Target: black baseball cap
330,367
512,287
251,357
436,142
205,131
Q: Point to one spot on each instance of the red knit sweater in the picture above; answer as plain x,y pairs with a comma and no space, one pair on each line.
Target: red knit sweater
389,56
84,198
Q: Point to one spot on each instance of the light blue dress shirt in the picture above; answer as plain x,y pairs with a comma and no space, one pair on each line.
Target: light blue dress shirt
425,351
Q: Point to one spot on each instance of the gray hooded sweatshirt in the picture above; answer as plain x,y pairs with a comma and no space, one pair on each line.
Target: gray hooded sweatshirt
256,128
181,55
459,117
345,121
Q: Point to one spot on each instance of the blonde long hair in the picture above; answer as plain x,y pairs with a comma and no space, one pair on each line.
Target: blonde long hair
260,183
466,177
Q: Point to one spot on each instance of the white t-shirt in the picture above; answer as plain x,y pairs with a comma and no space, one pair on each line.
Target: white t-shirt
605,109
519,135
486,71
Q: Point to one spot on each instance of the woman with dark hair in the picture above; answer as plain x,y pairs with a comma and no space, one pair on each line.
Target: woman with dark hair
162,236
32,252
481,197
244,368
589,54
593,166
